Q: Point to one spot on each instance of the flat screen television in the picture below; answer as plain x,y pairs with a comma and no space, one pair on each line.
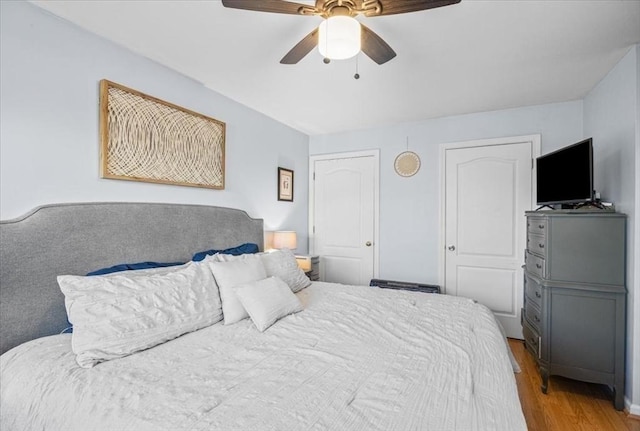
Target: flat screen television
565,176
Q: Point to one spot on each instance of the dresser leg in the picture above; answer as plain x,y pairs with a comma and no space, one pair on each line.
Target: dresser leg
545,379
618,398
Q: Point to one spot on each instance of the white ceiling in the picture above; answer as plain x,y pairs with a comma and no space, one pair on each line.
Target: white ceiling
470,57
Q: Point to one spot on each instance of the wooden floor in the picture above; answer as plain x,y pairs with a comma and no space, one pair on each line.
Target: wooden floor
568,405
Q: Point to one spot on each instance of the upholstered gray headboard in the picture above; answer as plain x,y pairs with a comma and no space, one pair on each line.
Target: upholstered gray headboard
78,238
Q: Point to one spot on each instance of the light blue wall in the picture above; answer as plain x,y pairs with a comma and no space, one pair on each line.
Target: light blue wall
609,117
409,222
49,144
611,112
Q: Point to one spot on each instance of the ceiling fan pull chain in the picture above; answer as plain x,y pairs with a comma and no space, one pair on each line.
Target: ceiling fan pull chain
357,75
326,60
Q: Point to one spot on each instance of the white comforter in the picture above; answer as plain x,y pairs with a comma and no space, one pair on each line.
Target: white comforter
357,358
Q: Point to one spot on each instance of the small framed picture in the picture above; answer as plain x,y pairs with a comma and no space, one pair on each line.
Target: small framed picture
285,184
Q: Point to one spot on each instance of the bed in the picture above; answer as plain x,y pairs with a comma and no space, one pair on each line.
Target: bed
344,358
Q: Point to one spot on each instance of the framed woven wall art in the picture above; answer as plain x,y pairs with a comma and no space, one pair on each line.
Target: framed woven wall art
147,139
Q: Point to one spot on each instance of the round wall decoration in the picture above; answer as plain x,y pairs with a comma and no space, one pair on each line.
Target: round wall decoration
407,164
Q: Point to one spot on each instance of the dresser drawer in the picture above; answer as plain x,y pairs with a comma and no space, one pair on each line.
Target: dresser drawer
533,291
532,315
534,264
537,225
536,244
531,339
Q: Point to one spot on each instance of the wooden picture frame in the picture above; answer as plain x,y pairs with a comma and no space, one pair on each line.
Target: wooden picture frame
147,139
285,184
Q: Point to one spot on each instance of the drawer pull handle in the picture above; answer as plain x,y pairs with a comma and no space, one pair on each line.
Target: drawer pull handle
539,347
532,340
541,245
536,318
541,226
538,266
538,295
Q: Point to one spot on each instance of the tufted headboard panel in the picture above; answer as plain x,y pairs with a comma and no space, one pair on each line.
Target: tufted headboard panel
78,238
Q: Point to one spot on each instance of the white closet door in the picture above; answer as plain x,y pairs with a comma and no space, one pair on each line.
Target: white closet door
487,191
344,198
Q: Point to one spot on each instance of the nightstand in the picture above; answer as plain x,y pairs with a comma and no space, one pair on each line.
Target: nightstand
310,265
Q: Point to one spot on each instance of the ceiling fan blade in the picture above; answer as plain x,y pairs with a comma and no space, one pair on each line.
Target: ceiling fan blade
376,48
301,49
275,6
392,7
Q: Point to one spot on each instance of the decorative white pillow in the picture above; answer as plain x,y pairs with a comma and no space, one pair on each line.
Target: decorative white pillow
282,264
267,301
117,315
230,274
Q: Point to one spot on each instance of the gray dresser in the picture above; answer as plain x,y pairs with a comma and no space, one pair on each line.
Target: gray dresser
575,296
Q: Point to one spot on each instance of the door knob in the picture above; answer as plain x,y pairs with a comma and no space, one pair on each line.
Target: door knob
451,247
368,243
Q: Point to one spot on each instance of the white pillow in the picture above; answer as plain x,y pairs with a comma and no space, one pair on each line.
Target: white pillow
267,301
233,273
118,315
230,257
282,264
162,270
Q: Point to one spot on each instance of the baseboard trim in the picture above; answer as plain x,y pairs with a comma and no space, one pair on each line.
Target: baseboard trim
633,410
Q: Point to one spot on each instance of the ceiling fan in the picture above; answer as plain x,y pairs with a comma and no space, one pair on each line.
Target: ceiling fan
339,28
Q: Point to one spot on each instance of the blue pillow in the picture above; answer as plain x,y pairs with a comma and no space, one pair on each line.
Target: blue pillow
130,266
246,248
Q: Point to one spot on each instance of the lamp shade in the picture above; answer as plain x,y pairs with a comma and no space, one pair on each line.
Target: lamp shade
285,239
339,37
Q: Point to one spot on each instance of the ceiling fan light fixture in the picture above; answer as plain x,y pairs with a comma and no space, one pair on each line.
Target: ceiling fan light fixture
339,37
